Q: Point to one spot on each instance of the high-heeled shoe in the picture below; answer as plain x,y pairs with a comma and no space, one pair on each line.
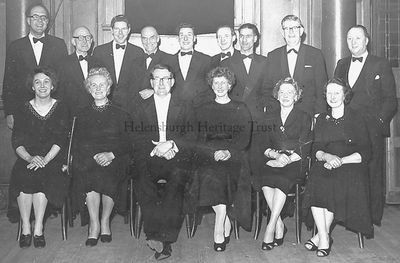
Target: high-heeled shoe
267,246
279,241
219,247
324,252
227,240
91,242
25,240
39,241
310,245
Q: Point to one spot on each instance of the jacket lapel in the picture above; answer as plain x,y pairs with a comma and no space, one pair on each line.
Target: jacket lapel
27,53
299,67
284,62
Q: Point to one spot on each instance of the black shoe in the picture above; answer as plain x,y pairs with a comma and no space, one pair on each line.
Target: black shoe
25,240
219,247
324,252
39,241
227,239
267,246
279,241
165,253
105,238
310,246
91,242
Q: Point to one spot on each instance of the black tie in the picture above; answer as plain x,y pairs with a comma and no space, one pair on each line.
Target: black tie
292,49
150,55
120,46
228,54
186,53
35,40
355,59
82,58
251,56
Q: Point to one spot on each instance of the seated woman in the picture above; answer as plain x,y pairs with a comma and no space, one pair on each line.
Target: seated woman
337,188
39,134
282,145
224,128
100,149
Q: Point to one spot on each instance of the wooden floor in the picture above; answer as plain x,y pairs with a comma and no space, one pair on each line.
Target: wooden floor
384,248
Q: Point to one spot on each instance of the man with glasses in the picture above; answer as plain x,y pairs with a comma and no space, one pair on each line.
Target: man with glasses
162,131
119,57
303,63
24,54
74,70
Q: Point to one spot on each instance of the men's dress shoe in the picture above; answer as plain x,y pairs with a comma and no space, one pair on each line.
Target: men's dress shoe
165,253
25,240
105,238
39,241
91,242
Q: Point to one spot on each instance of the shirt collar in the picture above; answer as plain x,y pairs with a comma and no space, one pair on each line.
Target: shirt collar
297,48
364,56
30,36
115,44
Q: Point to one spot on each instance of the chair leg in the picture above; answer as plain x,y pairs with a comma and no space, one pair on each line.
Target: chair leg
19,230
69,212
235,228
64,221
360,240
138,220
188,227
257,216
297,215
131,210
193,226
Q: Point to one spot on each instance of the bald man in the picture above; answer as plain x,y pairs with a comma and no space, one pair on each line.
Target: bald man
153,56
74,70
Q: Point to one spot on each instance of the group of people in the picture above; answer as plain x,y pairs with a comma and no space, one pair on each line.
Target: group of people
196,130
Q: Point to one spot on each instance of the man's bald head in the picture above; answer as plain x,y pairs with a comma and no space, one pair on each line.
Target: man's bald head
82,40
150,39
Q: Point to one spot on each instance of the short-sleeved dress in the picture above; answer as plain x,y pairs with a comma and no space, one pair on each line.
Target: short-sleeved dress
293,136
220,127
99,129
38,134
344,190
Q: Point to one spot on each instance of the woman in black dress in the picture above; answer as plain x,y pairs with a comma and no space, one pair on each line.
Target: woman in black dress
282,145
224,128
39,134
338,185
101,149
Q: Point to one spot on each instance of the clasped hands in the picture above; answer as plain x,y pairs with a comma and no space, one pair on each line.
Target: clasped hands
222,155
104,158
331,161
279,159
36,162
165,149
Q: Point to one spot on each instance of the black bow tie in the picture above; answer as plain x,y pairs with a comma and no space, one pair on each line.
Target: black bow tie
292,49
35,40
355,59
251,56
150,55
186,53
82,58
228,54
120,46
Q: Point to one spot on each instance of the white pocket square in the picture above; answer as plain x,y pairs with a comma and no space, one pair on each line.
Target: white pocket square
307,66
377,77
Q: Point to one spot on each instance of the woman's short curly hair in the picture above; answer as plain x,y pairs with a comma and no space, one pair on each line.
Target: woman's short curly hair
290,81
49,72
98,72
348,93
221,72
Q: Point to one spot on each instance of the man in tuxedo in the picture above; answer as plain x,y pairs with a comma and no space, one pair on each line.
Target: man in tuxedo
74,70
304,63
25,54
153,56
162,132
374,95
193,67
119,57
226,39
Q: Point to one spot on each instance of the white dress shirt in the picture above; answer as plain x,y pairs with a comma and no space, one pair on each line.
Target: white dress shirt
37,48
225,52
162,106
84,65
247,64
184,63
292,58
118,58
355,69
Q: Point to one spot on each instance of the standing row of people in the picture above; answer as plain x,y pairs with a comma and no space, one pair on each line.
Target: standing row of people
158,92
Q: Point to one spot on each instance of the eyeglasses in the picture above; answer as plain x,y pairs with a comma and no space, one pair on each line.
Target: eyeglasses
38,17
163,80
81,38
287,29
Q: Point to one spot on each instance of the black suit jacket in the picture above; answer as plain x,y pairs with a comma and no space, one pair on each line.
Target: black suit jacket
248,87
310,74
195,84
71,85
123,91
20,62
374,92
144,129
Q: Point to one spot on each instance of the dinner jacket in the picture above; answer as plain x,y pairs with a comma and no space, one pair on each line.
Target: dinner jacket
20,62
309,73
123,90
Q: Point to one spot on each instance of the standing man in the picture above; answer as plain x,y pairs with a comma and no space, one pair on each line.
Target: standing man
374,95
162,134
226,39
74,70
303,63
119,56
24,54
153,56
193,66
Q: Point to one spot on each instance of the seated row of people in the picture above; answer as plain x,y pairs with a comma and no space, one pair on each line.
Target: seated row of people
202,153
